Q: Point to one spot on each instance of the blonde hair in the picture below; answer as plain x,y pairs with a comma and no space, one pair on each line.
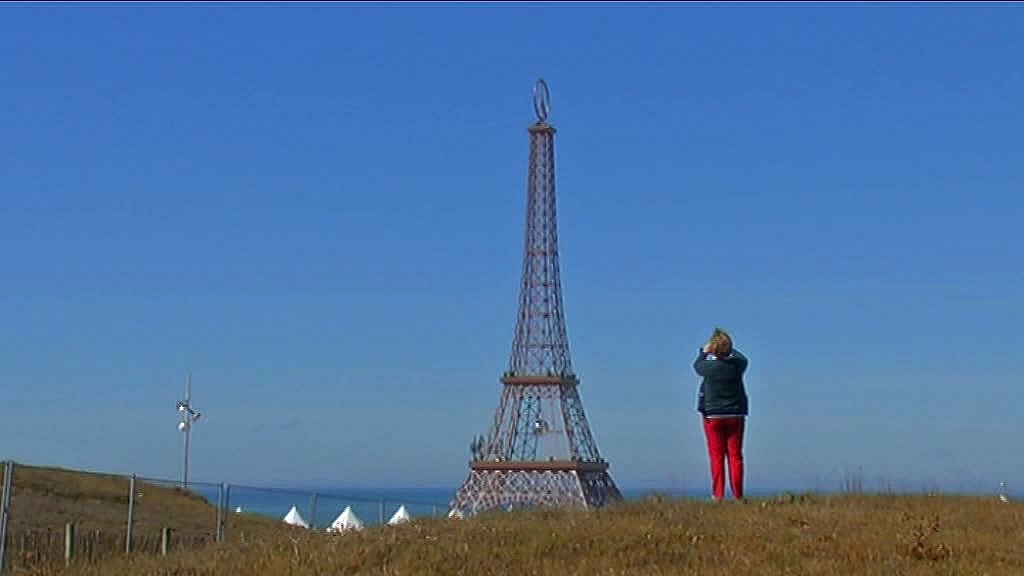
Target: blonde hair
720,343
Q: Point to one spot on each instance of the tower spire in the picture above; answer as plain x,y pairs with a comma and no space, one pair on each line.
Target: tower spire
540,345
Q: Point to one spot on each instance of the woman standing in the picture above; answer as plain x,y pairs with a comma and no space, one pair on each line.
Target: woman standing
723,405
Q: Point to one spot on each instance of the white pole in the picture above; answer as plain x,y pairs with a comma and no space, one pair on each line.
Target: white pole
188,425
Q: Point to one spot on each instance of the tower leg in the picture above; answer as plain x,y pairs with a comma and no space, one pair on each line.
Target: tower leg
516,489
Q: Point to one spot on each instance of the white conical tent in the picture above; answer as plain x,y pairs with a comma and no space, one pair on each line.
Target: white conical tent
294,518
347,520
401,515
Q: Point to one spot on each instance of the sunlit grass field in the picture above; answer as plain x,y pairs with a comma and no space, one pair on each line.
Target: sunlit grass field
813,535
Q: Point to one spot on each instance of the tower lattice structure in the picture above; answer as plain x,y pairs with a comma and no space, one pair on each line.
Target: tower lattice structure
539,450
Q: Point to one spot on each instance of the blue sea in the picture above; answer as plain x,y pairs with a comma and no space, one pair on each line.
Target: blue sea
376,506
372,506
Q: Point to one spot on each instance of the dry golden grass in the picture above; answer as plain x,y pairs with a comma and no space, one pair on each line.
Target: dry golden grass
836,535
49,497
45,499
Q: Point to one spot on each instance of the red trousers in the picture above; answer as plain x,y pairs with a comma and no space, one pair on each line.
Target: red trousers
725,435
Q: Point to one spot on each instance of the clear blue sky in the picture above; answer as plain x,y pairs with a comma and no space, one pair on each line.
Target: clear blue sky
319,211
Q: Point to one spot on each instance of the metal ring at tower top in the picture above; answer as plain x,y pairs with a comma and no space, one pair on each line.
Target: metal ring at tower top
541,99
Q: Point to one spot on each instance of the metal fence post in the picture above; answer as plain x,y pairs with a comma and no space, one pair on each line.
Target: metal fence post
69,543
5,510
382,511
221,511
131,516
312,512
227,507
165,540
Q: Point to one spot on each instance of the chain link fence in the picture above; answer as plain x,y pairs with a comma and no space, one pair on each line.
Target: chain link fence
54,516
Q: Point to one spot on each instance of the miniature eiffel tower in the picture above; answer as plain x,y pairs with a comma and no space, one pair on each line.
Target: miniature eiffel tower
539,451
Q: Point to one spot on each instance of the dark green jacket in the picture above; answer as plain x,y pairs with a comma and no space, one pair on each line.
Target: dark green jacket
721,390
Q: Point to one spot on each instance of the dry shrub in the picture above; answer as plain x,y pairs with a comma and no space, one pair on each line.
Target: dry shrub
921,546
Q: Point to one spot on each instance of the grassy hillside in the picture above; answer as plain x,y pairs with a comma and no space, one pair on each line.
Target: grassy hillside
840,535
45,499
49,497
